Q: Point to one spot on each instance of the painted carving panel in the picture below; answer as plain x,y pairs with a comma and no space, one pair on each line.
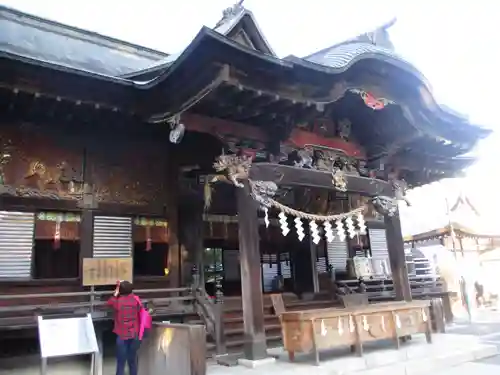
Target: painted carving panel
35,163
126,172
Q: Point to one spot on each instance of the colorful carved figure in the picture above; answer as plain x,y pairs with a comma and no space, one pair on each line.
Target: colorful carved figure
235,167
46,174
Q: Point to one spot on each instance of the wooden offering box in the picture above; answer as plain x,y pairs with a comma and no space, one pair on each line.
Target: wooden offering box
316,330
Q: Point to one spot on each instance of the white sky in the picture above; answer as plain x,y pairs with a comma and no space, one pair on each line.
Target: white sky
454,43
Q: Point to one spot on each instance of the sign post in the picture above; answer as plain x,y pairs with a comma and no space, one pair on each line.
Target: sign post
103,271
106,271
64,337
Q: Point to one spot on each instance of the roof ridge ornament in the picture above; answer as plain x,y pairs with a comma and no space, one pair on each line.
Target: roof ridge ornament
231,12
379,36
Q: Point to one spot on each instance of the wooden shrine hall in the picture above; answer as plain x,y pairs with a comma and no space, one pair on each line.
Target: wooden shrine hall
223,169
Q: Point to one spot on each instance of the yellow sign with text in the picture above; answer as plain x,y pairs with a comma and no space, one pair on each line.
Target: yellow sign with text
106,271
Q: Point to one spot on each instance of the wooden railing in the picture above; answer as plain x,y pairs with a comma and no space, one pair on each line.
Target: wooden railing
16,316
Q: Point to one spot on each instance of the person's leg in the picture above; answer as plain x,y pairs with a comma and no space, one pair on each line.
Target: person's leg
132,348
121,356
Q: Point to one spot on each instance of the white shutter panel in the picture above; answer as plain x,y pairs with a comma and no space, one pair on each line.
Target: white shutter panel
112,237
16,244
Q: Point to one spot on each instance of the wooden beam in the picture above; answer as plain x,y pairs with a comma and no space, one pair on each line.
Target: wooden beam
292,176
397,259
251,283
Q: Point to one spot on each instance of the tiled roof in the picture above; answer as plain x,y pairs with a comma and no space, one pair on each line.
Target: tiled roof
39,39
342,56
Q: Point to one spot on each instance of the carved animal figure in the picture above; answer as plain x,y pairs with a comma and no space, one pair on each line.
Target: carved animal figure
400,187
385,205
235,168
46,174
262,191
338,180
305,158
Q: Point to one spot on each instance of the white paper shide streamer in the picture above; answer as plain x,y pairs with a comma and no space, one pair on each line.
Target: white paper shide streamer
314,232
328,231
266,217
283,223
361,223
299,228
351,230
340,229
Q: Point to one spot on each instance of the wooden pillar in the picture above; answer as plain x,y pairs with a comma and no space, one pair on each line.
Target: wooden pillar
172,213
314,257
251,280
397,259
86,235
191,235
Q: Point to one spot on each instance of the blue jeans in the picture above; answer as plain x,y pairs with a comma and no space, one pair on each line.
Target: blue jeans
126,352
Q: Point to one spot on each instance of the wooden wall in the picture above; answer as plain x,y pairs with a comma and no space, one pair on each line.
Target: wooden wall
123,171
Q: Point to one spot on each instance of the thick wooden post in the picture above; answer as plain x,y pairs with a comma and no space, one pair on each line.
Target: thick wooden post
251,281
172,199
395,246
191,235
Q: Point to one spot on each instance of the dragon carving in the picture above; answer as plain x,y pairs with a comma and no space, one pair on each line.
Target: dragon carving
389,206
263,192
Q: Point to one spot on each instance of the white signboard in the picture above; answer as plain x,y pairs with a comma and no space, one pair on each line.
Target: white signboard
66,336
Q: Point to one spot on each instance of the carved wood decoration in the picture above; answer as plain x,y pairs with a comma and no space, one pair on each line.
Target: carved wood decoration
132,173
41,165
35,163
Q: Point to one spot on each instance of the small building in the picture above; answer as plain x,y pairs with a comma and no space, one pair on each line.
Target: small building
465,244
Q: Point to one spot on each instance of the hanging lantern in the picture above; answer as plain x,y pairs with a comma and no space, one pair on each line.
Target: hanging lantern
148,238
351,230
340,229
328,231
314,232
283,223
299,228
57,233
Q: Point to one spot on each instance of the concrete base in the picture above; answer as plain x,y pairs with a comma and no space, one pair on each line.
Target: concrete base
254,364
413,358
447,354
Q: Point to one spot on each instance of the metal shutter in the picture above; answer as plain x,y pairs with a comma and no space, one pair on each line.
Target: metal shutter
16,243
269,271
337,252
378,244
321,265
286,268
112,237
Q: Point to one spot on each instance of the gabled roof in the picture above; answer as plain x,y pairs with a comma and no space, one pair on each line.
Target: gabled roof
48,41
463,218
238,22
464,201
